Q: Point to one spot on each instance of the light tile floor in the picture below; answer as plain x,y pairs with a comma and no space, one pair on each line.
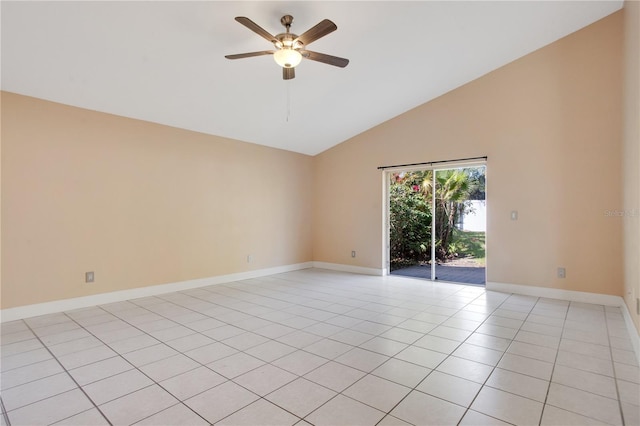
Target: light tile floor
324,348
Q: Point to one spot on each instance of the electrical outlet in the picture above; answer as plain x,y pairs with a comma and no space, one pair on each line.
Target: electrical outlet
89,277
353,253
514,215
249,258
562,273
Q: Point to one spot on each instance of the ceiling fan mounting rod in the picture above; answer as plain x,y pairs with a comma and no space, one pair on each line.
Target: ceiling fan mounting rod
286,20
285,40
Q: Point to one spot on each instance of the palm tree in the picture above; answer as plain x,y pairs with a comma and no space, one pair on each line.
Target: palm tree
452,189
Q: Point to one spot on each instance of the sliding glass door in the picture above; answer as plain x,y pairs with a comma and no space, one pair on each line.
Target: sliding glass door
437,223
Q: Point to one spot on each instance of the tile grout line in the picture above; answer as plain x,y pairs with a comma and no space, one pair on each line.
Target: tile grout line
154,382
119,355
613,367
466,409
369,299
165,343
415,388
340,393
114,314
502,356
299,376
202,365
5,416
587,371
334,360
448,355
68,374
555,360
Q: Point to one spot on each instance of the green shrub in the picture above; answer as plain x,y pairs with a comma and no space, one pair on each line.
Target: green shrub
410,221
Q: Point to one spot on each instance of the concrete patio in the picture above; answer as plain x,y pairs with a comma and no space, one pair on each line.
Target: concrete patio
458,274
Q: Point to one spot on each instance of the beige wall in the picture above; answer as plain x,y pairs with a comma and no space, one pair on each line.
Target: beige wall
138,203
0,202
631,163
143,204
550,124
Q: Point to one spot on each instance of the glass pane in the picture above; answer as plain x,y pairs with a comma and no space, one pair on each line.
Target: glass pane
460,224
410,212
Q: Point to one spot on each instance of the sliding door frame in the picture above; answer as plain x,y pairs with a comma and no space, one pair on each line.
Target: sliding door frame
386,204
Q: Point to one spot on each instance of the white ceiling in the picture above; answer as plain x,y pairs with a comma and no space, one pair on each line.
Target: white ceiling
164,61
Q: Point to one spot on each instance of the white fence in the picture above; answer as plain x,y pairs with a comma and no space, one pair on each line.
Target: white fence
476,220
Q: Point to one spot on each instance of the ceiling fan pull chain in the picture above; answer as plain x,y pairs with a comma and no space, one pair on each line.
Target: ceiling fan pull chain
288,84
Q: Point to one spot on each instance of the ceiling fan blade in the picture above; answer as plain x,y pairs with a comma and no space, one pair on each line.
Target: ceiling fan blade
256,28
250,54
325,59
320,30
288,73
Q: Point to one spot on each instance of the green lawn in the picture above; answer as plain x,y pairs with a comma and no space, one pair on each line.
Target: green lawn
470,245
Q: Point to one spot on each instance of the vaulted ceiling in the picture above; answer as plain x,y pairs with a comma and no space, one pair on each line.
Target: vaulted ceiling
164,61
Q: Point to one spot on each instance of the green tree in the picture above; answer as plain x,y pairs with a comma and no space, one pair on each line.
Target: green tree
476,183
409,221
452,190
410,211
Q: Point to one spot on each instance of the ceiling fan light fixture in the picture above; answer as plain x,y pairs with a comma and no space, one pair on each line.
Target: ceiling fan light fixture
287,58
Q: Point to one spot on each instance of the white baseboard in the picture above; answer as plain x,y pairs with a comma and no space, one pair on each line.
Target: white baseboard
348,268
556,293
575,296
634,334
28,311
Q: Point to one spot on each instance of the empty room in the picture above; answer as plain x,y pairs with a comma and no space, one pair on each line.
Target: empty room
206,209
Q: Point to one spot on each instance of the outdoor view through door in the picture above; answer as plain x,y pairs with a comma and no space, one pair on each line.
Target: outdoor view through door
437,224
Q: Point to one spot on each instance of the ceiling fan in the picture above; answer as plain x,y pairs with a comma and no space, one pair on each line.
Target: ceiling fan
291,48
